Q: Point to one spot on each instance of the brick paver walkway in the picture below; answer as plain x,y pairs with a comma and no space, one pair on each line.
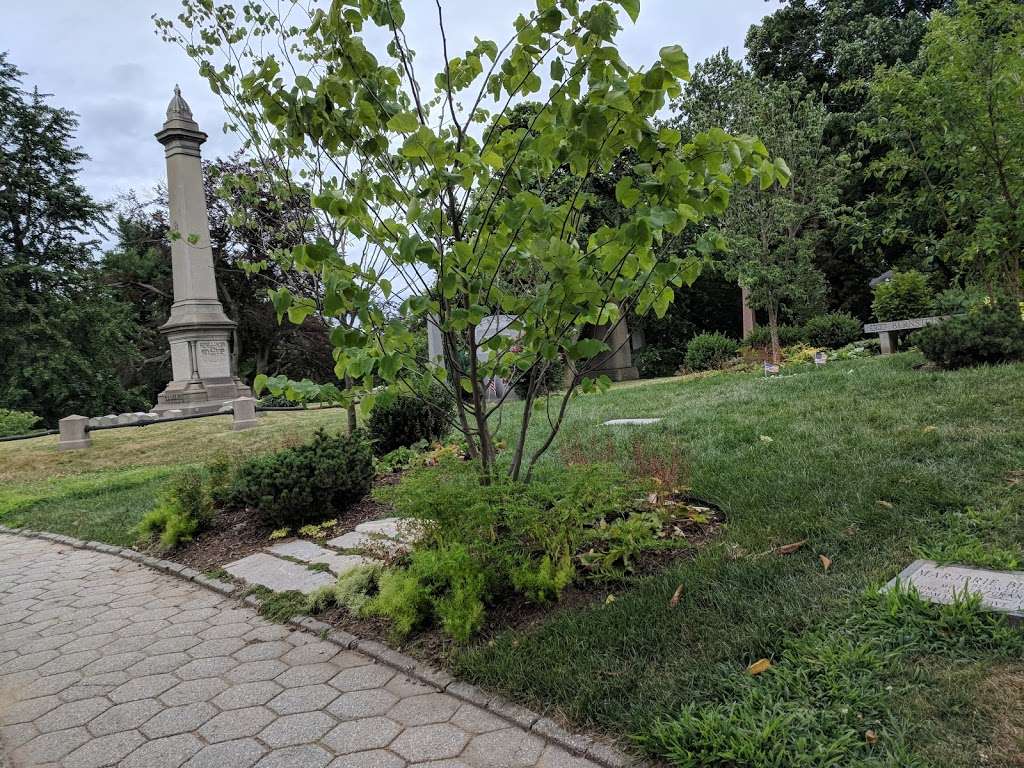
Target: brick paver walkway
105,662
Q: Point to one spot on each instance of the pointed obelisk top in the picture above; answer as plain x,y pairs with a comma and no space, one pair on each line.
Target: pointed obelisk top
178,109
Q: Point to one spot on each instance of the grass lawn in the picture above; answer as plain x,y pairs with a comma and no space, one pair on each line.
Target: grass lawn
100,493
872,462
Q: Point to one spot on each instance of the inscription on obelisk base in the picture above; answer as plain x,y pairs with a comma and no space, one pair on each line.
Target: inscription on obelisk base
198,331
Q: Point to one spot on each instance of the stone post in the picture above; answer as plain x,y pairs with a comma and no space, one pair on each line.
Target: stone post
74,433
245,413
198,331
889,342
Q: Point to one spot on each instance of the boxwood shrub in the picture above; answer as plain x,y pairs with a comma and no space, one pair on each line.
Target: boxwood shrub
709,350
832,331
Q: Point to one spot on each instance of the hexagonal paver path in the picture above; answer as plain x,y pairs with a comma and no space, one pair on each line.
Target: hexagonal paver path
104,662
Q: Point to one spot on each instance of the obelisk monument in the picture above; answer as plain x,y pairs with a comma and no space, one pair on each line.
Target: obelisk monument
198,330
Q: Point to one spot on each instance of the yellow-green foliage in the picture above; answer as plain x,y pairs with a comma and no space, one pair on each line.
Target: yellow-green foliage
184,508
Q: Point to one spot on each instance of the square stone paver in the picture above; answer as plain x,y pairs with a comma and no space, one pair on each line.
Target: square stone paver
277,574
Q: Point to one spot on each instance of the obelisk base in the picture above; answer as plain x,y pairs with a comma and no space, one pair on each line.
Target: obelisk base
201,361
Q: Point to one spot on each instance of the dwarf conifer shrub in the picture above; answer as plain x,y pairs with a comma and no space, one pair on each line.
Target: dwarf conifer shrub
308,482
990,334
183,510
408,419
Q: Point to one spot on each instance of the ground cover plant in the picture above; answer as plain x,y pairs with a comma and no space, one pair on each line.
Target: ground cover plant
481,547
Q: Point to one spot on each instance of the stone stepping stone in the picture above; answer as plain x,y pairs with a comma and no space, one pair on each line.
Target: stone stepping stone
398,528
277,574
630,422
308,552
366,541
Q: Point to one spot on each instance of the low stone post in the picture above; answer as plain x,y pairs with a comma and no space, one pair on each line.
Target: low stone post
888,340
245,413
74,433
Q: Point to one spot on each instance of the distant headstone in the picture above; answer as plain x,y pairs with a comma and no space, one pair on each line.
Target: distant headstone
74,433
630,422
820,358
245,413
1001,591
772,369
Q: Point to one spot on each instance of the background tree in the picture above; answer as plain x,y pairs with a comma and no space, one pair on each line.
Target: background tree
830,49
64,337
772,232
954,120
445,204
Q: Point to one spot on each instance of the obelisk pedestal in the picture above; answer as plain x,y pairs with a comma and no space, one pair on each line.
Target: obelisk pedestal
198,331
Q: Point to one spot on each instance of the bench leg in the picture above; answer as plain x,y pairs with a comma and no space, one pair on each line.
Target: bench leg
888,341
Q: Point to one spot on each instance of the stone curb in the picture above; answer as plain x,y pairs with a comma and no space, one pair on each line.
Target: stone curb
577,744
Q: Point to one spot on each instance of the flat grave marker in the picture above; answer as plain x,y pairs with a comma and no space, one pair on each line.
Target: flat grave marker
630,422
1001,591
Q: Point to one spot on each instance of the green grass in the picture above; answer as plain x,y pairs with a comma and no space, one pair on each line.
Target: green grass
102,492
928,444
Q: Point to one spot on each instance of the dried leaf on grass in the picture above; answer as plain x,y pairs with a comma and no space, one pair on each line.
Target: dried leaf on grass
675,597
759,666
789,549
884,504
826,561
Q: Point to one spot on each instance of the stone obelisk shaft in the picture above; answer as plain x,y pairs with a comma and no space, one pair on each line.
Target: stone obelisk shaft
198,331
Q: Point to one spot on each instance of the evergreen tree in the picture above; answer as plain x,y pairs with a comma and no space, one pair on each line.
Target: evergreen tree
64,337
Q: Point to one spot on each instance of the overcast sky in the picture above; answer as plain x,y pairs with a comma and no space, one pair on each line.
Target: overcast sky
103,61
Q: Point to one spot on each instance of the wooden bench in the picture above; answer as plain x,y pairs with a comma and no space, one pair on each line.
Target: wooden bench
888,333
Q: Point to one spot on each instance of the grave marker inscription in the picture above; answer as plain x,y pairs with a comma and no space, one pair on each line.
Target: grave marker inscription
1001,591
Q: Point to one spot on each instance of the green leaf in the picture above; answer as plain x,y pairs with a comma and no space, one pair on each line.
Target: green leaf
632,7
675,60
584,349
259,383
404,122
626,193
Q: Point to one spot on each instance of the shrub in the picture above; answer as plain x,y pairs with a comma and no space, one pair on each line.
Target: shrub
709,351
907,295
185,508
279,401
653,362
761,336
407,419
990,334
309,482
552,379
16,422
833,330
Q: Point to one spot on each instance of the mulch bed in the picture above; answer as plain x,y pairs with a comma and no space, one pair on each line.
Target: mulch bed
239,533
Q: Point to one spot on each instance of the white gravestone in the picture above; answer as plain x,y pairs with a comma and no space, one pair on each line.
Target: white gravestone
1001,591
